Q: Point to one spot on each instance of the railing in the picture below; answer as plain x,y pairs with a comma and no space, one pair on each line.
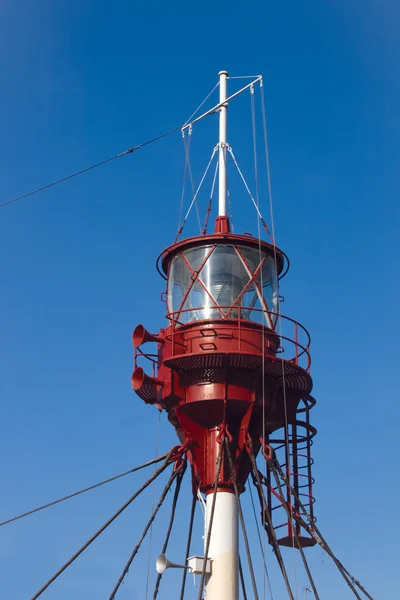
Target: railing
294,339
293,451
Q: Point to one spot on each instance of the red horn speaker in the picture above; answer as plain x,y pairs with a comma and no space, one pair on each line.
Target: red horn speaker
141,336
142,381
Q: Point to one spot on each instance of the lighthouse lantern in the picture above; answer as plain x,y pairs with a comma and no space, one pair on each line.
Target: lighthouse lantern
222,281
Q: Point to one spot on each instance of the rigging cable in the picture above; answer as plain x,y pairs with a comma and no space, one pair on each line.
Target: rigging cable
266,514
210,523
187,160
189,539
240,510
249,193
92,487
268,167
152,506
242,580
90,168
316,534
263,553
171,522
253,126
195,195
202,104
211,198
165,464
170,481
189,168
187,151
289,513
181,128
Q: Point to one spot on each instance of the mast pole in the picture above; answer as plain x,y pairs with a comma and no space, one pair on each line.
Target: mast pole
223,582
223,76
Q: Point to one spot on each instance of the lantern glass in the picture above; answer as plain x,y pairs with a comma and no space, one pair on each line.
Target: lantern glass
223,281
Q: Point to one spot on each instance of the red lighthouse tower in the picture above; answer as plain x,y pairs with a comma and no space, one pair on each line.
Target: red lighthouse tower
232,373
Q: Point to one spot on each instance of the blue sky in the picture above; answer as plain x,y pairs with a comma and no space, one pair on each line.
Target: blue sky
84,80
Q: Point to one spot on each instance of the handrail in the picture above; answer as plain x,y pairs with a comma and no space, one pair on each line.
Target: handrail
300,347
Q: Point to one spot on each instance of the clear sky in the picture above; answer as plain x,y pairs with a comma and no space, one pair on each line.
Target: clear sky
83,80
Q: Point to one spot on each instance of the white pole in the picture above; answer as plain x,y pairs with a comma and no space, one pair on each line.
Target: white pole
223,76
223,583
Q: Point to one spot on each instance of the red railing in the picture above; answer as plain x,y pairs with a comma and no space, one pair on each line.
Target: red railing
294,338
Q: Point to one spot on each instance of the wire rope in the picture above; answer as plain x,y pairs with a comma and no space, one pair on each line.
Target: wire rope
242,582
289,512
189,541
171,522
266,514
257,200
170,481
242,522
314,531
268,167
186,145
263,552
189,169
152,508
202,104
210,523
88,489
195,196
90,168
166,463
249,192
211,199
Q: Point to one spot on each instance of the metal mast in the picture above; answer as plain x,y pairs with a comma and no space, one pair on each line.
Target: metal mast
223,76
223,582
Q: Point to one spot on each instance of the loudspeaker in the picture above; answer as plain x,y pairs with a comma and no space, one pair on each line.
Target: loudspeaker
141,336
162,563
140,378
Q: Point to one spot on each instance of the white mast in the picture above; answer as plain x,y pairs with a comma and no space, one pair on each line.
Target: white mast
223,583
223,76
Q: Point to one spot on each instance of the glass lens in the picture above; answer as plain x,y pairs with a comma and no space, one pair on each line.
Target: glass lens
206,282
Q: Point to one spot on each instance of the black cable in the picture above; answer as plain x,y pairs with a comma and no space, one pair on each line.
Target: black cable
170,481
103,527
239,505
99,164
261,544
171,522
189,540
92,487
265,511
296,537
242,580
316,534
210,524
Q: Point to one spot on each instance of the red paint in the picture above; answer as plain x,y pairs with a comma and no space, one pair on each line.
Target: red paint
211,374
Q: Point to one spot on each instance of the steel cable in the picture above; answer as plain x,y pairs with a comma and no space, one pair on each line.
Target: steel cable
92,487
240,510
265,511
316,534
166,463
189,540
242,583
261,544
99,164
208,538
289,513
171,522
170,481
